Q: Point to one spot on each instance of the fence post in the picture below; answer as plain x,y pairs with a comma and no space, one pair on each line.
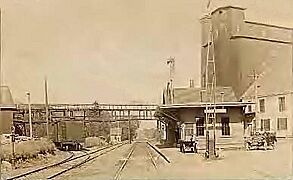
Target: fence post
13,147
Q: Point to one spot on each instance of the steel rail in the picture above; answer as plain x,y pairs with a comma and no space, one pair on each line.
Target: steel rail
89,158
68,169
151,156
117,174
71,158
149,147
41,168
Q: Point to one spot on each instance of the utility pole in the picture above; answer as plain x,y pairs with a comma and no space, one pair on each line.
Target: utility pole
210,86
292,67
0,94
13,146
129,127
30,113
171,63
47,107
255,77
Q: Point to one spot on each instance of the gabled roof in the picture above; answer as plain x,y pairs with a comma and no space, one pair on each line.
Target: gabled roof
6,100
206,16
196,95
227,7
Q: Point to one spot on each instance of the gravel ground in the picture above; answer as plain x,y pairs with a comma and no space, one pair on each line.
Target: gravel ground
51,171
104,167
233,164
257,164
139,164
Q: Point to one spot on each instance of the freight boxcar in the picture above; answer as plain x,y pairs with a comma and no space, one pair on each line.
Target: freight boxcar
69,135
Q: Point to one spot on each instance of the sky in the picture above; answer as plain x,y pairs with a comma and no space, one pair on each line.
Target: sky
109,51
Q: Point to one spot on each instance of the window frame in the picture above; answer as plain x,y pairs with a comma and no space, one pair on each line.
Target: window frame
279,124
282,103
262,106
262,125
226,130
200,127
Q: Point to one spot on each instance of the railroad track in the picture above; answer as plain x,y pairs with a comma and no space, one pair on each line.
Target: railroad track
71,166
69,163
148,148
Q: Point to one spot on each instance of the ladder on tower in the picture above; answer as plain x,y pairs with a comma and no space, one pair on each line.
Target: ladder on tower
210,87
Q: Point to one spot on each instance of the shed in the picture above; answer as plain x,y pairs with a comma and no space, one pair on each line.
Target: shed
7,107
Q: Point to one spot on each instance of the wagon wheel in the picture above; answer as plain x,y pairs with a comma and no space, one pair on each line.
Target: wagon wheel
183,148
247,146
265,145
207,154
191,147
273,145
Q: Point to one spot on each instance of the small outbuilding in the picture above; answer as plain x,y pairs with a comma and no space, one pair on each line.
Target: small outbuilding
7,107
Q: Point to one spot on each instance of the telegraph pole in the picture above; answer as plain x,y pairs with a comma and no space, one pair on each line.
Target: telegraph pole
30,113
210,87
0,94
47,107
255,77
13,146
129,127
171,63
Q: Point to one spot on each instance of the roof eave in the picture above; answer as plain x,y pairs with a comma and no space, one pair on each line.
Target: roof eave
200,105
226,7
8,108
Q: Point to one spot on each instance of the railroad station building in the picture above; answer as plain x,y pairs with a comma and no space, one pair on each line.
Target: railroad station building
188,108
245,49
254,68
7,108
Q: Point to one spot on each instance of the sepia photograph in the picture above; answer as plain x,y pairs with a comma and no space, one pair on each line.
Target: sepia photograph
146,89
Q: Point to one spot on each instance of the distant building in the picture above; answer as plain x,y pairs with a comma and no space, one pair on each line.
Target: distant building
115,134
242,47
7,107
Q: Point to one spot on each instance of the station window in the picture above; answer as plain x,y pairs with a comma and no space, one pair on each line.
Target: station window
265,125
200,127
282,106
282,124
262,105
225,126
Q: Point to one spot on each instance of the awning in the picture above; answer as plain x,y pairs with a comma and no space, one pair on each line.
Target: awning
202,105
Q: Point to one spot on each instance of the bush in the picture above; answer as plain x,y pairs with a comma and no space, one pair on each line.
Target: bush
28,149
94,141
